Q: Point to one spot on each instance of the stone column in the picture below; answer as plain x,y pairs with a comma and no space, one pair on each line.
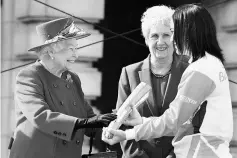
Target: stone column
18,35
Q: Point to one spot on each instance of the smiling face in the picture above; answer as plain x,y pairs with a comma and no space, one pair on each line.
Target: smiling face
160,43
64,54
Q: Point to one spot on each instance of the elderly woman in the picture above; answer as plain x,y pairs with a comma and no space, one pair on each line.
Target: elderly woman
162,70
204,79
51,110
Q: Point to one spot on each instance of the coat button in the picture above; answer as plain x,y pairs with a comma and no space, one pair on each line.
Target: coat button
55,86
61,103
64,142
67,86
74,103
77,142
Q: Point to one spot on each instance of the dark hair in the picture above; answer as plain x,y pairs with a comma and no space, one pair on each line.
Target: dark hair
195,32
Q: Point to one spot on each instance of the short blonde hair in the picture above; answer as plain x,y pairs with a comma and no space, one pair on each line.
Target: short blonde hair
154,15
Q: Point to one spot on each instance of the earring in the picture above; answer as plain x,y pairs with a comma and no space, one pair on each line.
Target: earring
52,58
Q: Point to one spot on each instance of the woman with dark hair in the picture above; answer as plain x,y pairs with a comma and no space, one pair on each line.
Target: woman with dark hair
195,32
205,79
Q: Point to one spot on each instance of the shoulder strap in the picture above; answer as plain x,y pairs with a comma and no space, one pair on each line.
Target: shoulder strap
91,140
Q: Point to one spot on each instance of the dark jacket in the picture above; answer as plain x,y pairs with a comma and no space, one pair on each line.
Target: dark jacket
130,77
47,108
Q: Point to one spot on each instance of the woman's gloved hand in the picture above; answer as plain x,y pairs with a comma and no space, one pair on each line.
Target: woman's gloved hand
97,121
103,120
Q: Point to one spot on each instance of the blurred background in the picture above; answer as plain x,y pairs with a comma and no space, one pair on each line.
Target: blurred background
99,65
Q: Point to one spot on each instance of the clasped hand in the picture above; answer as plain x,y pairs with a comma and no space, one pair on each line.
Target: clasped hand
97,121
102,120
117,135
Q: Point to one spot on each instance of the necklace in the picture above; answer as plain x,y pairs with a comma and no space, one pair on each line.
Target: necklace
160,76
153,67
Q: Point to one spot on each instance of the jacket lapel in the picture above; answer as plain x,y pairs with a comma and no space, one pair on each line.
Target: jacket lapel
172,84
145,76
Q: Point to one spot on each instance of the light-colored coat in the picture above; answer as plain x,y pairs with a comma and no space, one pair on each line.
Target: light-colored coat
47,108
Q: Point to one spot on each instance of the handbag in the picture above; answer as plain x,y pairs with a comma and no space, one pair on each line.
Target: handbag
110,154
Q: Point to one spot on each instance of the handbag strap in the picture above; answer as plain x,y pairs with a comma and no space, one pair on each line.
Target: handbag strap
91,140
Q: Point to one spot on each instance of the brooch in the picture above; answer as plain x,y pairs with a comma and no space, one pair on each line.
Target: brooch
69,78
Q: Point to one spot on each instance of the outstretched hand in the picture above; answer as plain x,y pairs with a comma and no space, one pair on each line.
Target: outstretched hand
105,119
101,120
117,136
134,118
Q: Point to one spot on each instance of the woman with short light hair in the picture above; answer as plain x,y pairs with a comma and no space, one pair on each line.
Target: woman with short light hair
162,70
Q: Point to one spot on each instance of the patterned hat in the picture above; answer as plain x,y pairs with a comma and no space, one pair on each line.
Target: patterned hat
58,30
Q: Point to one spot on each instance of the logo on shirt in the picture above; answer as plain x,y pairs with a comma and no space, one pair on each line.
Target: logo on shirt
187,99
222,76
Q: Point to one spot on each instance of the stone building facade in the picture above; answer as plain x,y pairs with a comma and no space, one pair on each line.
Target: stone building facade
19,18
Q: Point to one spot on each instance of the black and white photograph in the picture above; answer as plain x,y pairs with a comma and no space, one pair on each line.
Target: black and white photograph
118,79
